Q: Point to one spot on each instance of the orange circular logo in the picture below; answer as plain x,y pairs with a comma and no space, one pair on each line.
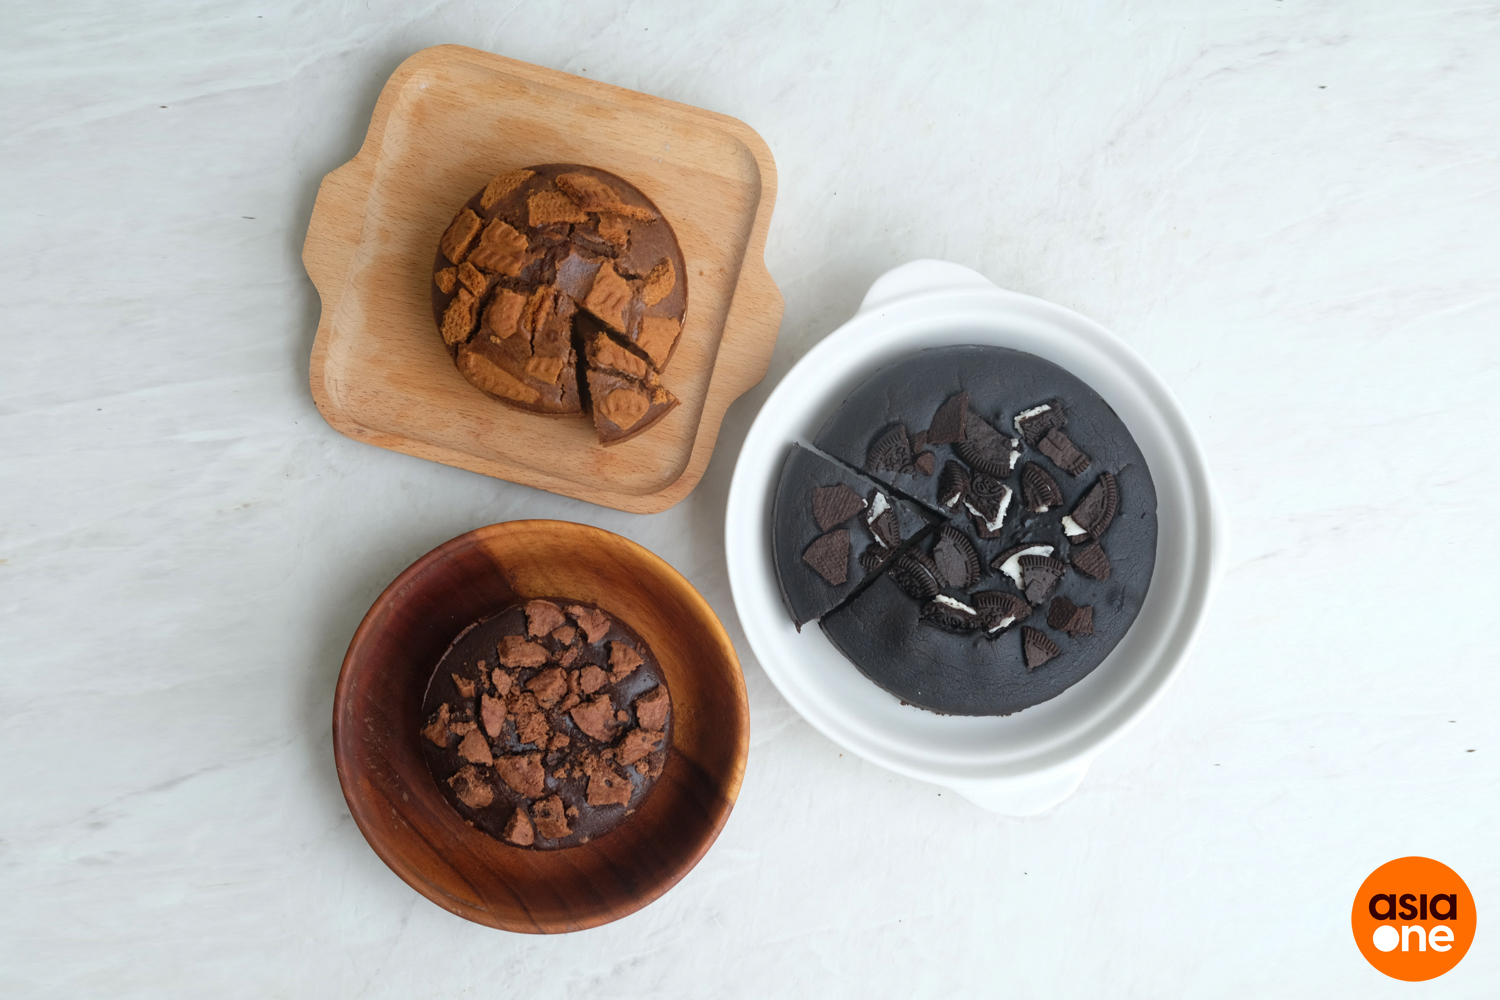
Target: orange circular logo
1413,918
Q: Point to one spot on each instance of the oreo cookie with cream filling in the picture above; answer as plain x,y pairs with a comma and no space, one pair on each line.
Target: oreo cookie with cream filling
1095,512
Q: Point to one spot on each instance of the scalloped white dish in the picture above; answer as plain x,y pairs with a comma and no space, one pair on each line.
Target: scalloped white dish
1028,762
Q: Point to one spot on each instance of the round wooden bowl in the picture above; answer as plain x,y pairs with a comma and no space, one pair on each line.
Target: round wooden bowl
394,799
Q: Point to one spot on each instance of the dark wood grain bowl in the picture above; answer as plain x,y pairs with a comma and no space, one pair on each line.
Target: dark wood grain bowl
394,799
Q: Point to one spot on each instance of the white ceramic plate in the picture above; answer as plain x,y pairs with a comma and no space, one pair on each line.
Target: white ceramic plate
1030,761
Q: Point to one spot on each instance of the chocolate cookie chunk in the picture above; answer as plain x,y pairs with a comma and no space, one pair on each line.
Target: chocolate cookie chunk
554,273
547,724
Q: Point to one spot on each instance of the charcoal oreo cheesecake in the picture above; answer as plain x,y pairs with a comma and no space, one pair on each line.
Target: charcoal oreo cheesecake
1040,534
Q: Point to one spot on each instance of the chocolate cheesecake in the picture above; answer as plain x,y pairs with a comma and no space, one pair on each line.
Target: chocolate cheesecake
547,724
553,273
1046,535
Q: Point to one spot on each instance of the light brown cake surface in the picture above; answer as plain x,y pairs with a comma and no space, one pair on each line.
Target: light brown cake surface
551,270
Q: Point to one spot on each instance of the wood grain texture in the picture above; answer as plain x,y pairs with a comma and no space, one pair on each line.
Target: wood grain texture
450,118
397,804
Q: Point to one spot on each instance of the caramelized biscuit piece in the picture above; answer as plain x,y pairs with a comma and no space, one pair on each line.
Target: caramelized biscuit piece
623,659
437,729
547,370
502,682
604,353
473,278
461,232
592,679
564,633
523,772
544,208
493,379
517,651
637,744
502,185
549,686
492,712
594,195
501,248
475,748
550,820
624,406
651,708
531,724
659,283
458,318
607,787
465,686
543,616
609,298
461,728
616,230
447,279
596,717
658,334
518,831
502,317
595,623
471,787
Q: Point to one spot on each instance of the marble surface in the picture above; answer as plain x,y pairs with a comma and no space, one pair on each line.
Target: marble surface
1289,208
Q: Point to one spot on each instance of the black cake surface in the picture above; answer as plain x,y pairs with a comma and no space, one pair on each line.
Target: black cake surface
942,626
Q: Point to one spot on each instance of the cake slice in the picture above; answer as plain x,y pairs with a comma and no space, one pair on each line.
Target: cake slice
624,406
831,530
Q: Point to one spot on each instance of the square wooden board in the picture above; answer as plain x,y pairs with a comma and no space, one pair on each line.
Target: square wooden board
448,120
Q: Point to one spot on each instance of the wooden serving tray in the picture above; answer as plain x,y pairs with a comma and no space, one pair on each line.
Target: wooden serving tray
448,120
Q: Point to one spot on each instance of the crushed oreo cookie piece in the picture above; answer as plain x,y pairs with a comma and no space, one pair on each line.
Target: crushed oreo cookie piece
1093,514
1039,491
951,421
882,521
891,451
1063,452
833,505
956,559
916,574
950,613
1036,647
1040,576
953,483
1034,422
871,559
1065,616
828,555
987,450
999,610
1091,561
988,501
924,462
1009,561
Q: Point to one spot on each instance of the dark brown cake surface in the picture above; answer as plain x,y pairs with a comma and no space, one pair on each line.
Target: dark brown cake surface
547,724
538,265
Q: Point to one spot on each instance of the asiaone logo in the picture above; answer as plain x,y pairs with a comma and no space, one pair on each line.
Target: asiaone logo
1413,918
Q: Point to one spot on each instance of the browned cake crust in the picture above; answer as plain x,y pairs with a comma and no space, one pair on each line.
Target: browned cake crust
550,270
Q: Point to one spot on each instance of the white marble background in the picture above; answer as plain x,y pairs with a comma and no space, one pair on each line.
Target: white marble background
1289,207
